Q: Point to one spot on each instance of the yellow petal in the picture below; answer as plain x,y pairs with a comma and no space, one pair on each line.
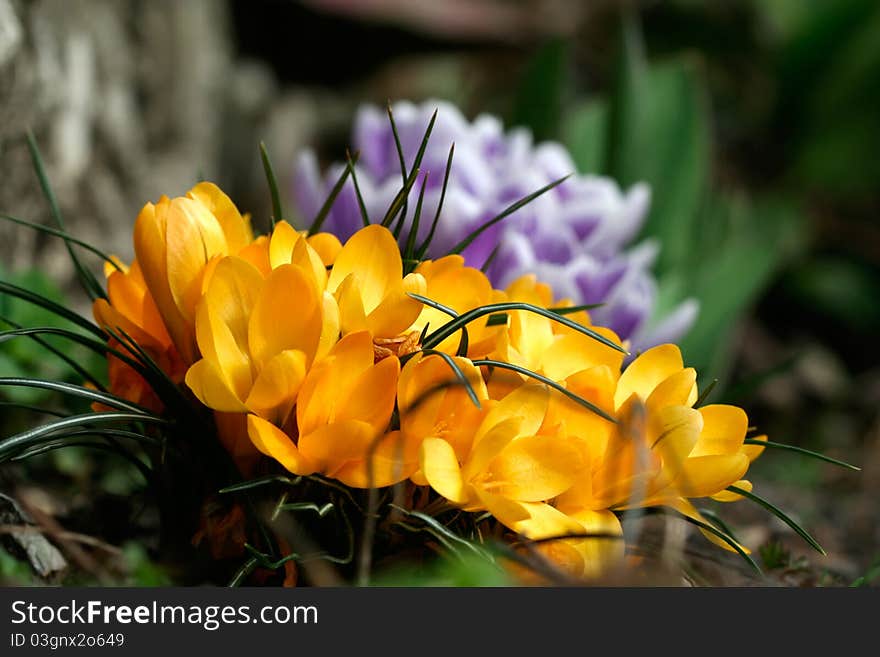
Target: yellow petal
334,445
284,238
490,444
674,432
534,520
327,246
574,352
393,459
210,387
708,475
372,253
686,508
221,322
728,496
535,468
397,311
439,465
754,451
680,389
274,391
372,397
527,402
352,316
193,237
150,249
236,228
647,372
329,383
287,315
330,326
257,253
724,429
273,442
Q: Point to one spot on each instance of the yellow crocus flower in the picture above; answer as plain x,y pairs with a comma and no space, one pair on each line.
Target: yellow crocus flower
174,241
342,416
368,283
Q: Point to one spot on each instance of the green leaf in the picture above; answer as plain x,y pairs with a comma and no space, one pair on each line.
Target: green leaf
801,450
423,248
466,242
53,307
277,209
438,336
87,278
78,391
64,235
331,198
459,375
549,382
800,531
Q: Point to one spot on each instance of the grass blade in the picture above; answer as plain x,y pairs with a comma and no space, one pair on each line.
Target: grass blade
800,531
423,248
86,277
65,236
465,340
52,307
277,209
549,382
84,374
331,198
409,249
79,391
801,450
466,242
459,375
365,217
435,338
417,163
399,200
37,435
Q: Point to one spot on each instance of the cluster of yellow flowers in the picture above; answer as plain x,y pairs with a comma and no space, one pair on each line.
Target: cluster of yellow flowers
313,353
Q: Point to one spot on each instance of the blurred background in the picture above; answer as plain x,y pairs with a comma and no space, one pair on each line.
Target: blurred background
755,124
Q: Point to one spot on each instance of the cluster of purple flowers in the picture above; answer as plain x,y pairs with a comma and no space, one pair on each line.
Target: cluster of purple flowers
573,237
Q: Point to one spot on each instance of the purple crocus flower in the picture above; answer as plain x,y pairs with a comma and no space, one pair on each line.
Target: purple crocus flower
573,237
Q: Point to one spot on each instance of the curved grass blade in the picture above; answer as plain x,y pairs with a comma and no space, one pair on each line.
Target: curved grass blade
83,373
32,408
145,472
277,209
800,531
319,219
423,248
465,339
65,236
417,163
86,277
492,255
256,483
365,217
52,307
705,394
399,201
243,573
509,210
549,382
571,310
718,522
410,246
723,536
105,398
435,338
98,347
801,450
438,529
25,439
459,375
